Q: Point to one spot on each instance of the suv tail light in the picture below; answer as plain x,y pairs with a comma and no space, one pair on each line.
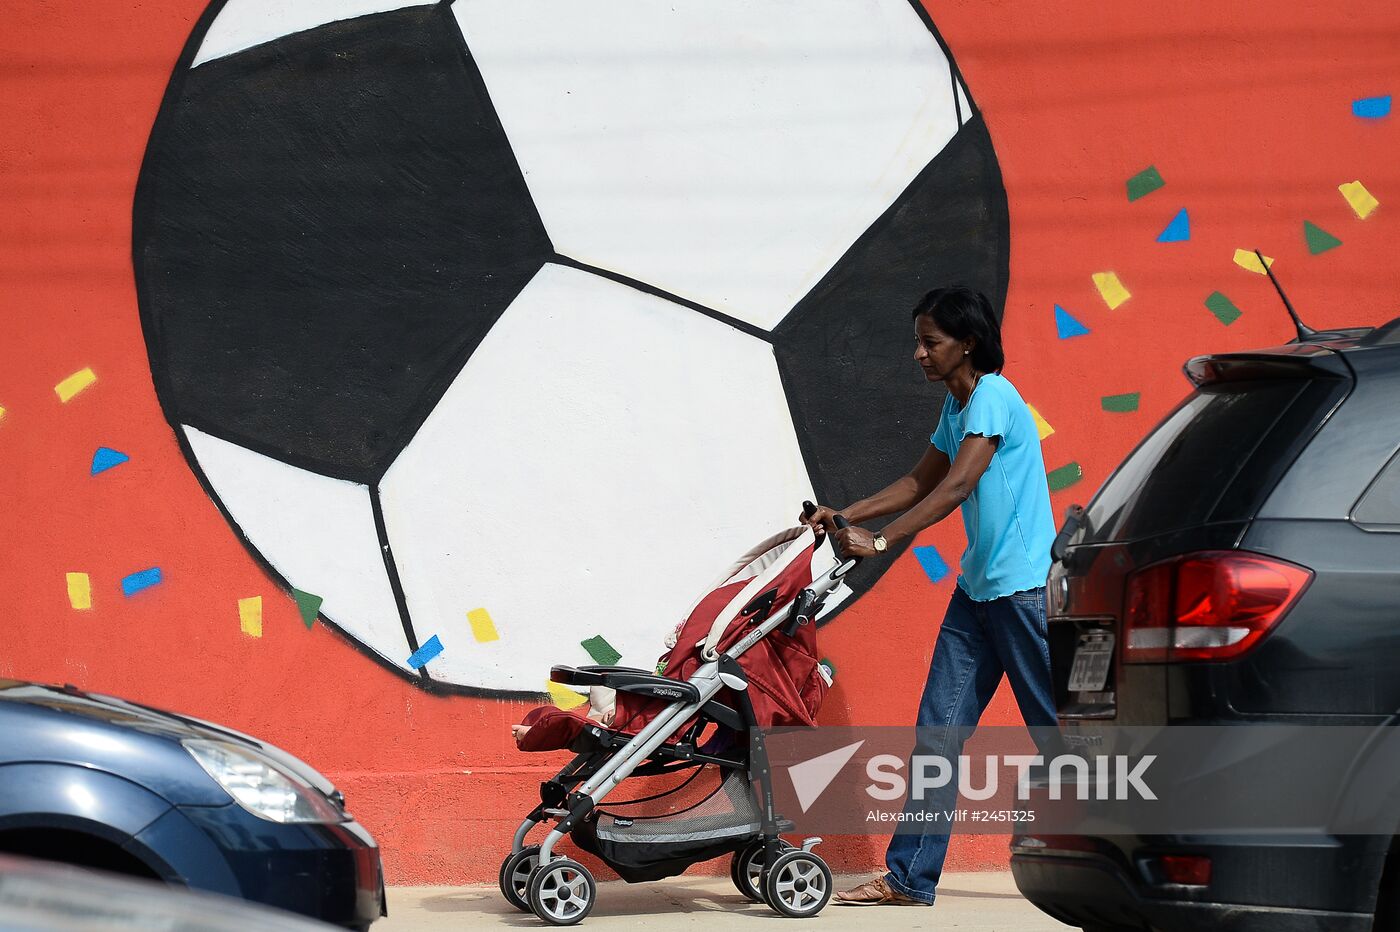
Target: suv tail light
1211,605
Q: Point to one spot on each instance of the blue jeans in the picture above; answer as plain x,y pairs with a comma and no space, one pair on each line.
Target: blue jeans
979,641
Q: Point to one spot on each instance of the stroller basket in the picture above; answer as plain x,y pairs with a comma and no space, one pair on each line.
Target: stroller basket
667,834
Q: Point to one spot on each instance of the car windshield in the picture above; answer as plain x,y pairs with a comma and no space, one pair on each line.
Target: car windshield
1180,473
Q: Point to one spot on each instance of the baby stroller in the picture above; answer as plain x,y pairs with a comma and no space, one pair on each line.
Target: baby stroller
744,658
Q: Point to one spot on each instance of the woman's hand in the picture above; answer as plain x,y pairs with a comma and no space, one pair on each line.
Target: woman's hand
856,542
818,520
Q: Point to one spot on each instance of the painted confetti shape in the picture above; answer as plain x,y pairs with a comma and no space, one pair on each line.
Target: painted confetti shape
1247,260
1066,326
483,628
250,616
104,458
1318,239
1111,289
601,651
934,566
308,605
1144,183
138,581
74,384
1362,202
1371,108
1223,308
1120,404
1178,231
2,412
423,655
1042,426
1064,477
564,697
79,591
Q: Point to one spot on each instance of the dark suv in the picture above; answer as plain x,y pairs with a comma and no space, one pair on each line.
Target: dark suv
1241,565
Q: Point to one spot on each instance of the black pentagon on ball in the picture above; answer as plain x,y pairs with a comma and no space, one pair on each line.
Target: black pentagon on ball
862,407
325,228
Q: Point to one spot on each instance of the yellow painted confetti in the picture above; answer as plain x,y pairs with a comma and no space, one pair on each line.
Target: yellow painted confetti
250,616
75,383
564,697
1248,261
483,628
79,591
2,412
1111,289
1042,426
1359,198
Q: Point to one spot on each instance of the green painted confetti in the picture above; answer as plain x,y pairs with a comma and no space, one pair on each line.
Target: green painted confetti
1223,308
830,666
1318,239
601,651
308,605
1065,476
1120,404
1144,183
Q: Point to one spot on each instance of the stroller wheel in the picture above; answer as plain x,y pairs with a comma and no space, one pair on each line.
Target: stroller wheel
746,869
515,875
798,884
562,892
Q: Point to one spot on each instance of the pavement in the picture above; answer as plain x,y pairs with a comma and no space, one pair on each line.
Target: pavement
972,902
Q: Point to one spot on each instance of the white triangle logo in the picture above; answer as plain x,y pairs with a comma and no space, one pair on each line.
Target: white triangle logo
811,777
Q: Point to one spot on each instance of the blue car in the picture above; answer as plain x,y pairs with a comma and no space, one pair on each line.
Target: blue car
100,782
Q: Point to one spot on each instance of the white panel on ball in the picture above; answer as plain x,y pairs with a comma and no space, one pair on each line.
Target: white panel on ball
726,151
242,24
317,533
601,456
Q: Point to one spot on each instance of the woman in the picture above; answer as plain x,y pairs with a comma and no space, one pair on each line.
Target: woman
984,457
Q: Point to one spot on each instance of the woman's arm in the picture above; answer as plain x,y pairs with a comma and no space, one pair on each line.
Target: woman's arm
905,491
974,455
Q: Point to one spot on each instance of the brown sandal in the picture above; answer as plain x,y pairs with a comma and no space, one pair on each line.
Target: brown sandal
876,893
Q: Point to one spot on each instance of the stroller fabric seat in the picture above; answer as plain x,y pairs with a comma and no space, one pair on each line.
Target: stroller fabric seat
786,686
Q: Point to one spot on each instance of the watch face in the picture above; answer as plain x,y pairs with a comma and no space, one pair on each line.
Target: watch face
880,543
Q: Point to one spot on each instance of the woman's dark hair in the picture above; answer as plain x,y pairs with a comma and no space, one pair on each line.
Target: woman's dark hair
962,313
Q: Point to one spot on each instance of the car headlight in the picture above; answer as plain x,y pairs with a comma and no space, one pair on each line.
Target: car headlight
256,784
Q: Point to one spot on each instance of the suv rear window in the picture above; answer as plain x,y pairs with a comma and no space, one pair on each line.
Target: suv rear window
1215,458
1380,506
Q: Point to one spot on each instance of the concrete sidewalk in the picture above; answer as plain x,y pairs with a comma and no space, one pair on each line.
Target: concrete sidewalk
974,902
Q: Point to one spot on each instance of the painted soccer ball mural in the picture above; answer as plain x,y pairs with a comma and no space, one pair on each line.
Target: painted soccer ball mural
512,322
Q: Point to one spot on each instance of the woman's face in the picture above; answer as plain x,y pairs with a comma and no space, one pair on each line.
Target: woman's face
937,353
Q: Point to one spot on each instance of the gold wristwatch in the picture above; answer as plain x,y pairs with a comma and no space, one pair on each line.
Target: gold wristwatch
880,543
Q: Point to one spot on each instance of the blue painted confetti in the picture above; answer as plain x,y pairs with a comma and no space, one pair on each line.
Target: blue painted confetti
1371,108
1178,231
1066,326
425,653
933,564
137,581
105,458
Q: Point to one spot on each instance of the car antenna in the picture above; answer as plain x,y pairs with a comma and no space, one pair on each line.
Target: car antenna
1304,331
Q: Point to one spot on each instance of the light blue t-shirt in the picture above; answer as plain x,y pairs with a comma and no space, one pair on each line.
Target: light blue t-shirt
1007,516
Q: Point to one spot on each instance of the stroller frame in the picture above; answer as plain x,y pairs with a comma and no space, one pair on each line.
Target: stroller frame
604,759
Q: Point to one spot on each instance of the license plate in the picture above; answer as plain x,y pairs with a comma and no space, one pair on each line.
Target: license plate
1091,661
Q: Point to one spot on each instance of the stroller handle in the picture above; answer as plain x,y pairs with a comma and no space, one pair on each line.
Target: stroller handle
810,508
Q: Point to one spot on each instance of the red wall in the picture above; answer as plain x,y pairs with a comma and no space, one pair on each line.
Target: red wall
1244,108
